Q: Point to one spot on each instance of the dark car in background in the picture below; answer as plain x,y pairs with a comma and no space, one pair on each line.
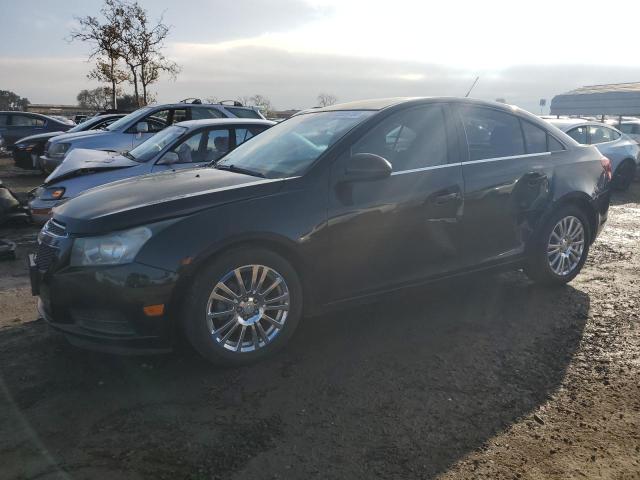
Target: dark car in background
17,125
27,150
334,204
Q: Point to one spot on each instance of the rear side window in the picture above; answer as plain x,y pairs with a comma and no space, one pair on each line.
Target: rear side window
26,121
414,138
3,120
243,112
245,133
491,133
579,134
599,134
179,115
535,138
202,113
554,145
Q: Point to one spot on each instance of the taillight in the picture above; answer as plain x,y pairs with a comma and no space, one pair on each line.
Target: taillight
606,164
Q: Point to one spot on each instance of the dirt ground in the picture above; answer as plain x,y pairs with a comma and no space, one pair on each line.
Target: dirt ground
488,377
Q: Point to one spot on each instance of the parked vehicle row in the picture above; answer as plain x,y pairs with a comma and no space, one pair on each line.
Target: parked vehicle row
27,151
334,204
623,151
17,125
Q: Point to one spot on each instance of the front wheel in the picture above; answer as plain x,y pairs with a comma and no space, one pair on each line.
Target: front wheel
560,248
244,306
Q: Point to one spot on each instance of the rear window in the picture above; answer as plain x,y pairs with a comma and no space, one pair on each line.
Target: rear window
244,112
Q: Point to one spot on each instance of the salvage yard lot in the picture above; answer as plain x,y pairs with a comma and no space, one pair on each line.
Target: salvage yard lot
488,377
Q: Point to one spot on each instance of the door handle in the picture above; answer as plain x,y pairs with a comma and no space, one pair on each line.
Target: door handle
447,198
535,178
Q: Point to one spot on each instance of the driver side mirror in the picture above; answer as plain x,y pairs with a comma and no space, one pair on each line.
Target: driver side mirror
367,166
142,127
169,158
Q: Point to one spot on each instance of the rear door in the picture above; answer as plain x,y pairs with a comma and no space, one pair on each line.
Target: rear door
507,175
404,227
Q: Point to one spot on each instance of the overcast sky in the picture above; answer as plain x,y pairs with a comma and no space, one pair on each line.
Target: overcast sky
291,50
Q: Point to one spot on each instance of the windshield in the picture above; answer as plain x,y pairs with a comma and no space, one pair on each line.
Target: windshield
85,125
289,148
150,148
127,118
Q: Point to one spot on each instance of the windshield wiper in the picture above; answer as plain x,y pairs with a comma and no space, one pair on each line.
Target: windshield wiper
128,155
233,168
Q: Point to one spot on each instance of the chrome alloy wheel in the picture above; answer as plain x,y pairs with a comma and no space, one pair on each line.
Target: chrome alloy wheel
566,245
248,308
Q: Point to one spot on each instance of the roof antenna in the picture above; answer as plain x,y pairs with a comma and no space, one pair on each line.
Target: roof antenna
473,85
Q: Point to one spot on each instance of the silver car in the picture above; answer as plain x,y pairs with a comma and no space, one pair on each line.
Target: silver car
183,145
133,129
621,150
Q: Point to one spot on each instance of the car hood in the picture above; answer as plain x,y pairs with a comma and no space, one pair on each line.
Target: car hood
81,161
71,137
159,196
40,137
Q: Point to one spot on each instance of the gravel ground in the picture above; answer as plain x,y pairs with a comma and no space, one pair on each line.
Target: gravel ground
487,377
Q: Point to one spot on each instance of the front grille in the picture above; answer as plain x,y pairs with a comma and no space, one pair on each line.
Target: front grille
45,255
55,228
46,252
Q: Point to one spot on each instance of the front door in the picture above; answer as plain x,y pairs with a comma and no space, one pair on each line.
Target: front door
401,228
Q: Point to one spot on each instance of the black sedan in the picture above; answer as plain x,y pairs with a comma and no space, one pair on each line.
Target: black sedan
339,203
27,150
17,125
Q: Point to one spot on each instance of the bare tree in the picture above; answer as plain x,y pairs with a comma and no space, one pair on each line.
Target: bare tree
262,102
244,99
212,100
144,41
107,46
326,99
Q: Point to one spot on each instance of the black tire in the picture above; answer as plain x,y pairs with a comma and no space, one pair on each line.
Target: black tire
537,266
196,305
624,175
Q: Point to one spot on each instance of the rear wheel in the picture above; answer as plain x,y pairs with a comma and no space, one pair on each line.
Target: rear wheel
244,306
624,175
560,248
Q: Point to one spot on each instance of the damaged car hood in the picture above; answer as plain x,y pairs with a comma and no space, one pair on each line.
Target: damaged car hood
82,160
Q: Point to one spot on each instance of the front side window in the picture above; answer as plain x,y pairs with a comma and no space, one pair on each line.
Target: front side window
154,145
291,147
191,150
413,138
199,113
579,134
599,134
491,133
157,120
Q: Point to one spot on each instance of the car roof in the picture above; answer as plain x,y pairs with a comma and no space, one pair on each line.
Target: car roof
196,105
205,122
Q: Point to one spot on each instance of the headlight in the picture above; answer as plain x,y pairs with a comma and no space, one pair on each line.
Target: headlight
58,149
49,193
112,249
